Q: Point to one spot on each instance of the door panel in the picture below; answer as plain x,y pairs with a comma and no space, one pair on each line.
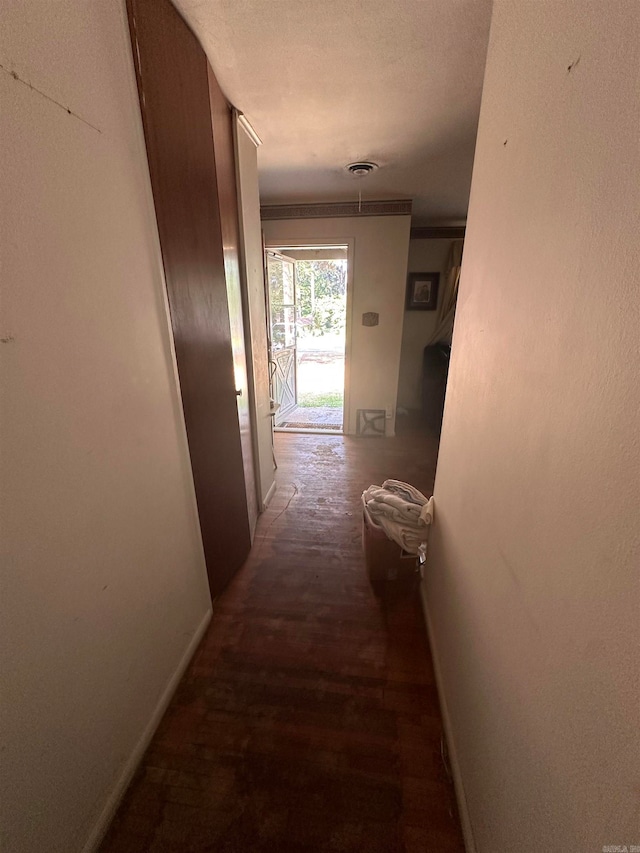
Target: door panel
173,84
284,381
223,147
282,321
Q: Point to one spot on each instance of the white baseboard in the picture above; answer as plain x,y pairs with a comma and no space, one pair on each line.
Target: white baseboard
463,810
269,495
113,800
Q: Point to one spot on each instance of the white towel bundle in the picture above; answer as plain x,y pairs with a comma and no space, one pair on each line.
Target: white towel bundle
382,502
401,511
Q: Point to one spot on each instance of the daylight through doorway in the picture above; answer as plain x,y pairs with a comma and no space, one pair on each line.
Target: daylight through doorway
308,308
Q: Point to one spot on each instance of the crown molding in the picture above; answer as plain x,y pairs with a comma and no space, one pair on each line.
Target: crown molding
398,207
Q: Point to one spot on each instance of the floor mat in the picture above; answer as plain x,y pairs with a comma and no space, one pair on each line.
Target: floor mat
307,425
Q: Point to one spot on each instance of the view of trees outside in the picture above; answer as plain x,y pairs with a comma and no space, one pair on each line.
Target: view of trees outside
322,304
322,309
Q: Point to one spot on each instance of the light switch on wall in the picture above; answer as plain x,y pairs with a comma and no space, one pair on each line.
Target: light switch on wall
370,318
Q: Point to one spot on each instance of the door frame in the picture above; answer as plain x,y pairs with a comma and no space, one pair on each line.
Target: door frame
331,243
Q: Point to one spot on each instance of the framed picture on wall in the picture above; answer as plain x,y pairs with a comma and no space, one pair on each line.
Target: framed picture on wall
422,291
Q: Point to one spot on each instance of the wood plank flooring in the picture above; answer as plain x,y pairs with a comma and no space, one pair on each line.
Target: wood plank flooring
308,719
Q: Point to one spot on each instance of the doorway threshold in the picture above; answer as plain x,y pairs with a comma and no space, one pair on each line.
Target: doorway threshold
320,418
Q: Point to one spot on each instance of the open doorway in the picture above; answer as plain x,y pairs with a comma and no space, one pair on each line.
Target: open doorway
307,301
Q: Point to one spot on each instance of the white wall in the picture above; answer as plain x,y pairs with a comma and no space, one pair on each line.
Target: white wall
252,260
103,580
424,256
532,587
379,275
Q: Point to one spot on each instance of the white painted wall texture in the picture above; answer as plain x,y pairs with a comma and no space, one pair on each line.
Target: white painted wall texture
103,576
381,245
424,256
532,583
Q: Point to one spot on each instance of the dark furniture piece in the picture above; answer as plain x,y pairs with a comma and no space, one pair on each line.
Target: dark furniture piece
435,368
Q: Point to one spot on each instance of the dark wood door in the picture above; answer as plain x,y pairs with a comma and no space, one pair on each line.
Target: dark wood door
173,85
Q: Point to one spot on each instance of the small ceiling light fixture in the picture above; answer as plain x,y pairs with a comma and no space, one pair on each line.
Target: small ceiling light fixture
360,170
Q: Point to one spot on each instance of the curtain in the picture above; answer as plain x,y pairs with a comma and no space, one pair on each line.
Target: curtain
447,308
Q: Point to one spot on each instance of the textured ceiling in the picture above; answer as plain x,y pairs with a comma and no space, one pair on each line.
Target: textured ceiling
327,82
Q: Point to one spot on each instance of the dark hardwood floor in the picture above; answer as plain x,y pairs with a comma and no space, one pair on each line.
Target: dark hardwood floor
308,719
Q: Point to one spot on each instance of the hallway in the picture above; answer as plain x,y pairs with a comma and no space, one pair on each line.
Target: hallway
308,719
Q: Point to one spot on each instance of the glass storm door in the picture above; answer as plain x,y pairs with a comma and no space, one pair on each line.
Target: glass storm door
281,278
